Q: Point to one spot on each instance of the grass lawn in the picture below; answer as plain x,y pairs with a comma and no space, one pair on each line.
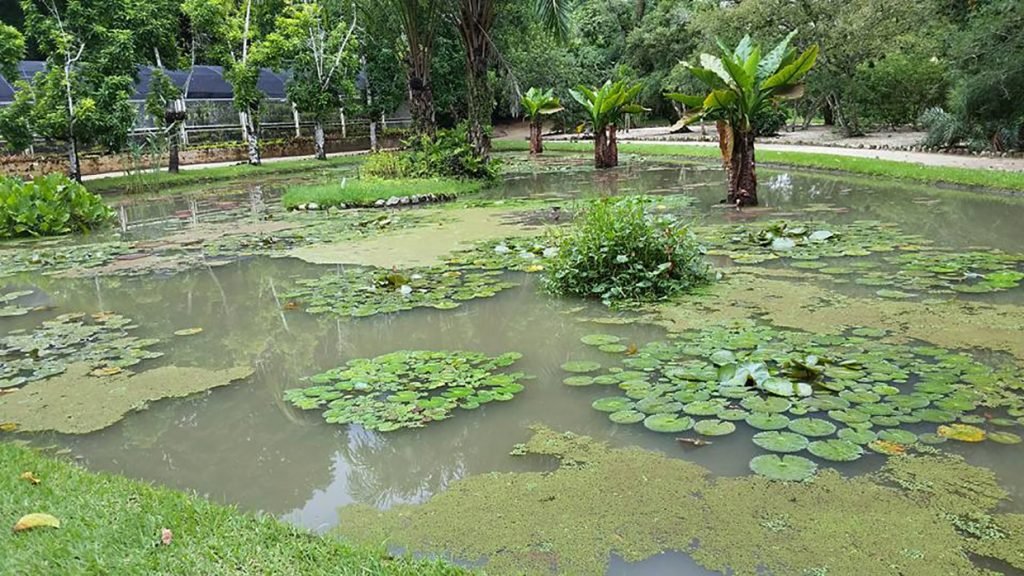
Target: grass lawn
157,181
997,179
366,192
112,525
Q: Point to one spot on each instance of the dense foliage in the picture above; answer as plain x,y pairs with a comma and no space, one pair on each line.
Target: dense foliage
48,206
620,253
882,63
447,154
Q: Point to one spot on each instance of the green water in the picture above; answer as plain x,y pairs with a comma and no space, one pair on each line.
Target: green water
244,445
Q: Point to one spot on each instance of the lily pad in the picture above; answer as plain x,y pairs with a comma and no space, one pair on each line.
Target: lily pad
581,366
812,427
600,339
704,408
857,436
714,427
836,450
1002,437
578,381
767,421
962,432
668,423
787,468
898,436
781,441
627,417
188,332
612,404
759,404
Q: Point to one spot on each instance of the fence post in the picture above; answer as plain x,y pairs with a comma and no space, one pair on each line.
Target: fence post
344,127
295,116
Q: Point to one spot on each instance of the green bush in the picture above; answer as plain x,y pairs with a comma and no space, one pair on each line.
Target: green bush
897,89
48,206
447,155
770,121
615,250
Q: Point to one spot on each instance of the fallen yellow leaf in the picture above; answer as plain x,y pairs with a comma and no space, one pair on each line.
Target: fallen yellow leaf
8,427
30,521
106,371
962,432
30,477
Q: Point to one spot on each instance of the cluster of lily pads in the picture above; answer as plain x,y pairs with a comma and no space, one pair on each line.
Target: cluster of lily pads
408,389
361,292
101,339
835,396
524,254
7,306
909,263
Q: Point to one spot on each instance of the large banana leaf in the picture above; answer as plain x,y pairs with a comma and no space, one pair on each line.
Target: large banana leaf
792,73
771,62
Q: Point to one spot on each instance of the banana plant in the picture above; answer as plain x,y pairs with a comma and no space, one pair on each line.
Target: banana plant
743,83
539,103
606,107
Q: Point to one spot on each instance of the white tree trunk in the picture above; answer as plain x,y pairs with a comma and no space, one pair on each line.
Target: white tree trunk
244,121
252,139
344,125
75,173
373,136
298,121
318,141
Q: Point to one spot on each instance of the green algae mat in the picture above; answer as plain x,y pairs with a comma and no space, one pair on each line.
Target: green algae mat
919,515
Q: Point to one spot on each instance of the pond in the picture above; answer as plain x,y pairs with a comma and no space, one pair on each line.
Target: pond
242,442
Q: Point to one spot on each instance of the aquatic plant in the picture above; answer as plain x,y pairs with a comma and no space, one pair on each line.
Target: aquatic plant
408,389
919,515
100,340
620,253
359,292
50,205
832,395
77,402
909,265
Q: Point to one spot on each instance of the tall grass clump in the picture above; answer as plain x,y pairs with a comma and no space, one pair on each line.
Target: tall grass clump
617,251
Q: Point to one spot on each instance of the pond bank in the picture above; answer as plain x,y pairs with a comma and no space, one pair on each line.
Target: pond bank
820,158
112,524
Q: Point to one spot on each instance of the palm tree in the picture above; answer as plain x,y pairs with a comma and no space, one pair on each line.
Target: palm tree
743,83
538,104
474,19
606,106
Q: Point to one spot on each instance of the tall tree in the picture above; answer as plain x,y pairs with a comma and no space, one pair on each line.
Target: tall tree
316,40
419,20
236,32
82,97
383,85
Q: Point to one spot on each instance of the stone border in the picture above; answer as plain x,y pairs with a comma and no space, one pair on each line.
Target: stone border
393,202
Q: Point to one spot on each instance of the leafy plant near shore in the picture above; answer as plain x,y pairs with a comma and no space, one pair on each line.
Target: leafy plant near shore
620,253
448,154
408,389
48,206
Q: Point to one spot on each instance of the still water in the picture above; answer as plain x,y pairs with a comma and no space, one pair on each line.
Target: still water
244,445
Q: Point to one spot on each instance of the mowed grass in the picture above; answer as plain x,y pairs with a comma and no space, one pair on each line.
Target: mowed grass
112,525
148,182
995,179
354,192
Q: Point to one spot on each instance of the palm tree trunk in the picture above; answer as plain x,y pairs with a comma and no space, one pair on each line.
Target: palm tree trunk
536,142
475,20
606,149
742,176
